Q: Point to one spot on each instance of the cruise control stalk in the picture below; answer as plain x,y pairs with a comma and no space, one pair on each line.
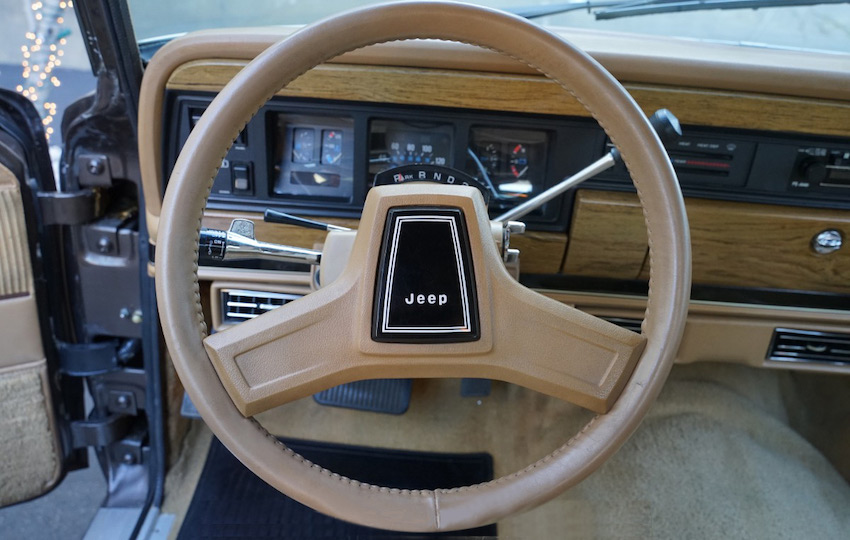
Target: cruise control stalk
239,243
667,127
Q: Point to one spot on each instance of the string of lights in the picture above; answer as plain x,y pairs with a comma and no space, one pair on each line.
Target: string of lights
42,54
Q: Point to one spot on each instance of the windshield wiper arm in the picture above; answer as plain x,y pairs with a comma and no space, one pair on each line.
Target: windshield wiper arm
613,9
649,7
535,12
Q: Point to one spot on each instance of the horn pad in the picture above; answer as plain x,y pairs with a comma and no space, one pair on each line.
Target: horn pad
425,284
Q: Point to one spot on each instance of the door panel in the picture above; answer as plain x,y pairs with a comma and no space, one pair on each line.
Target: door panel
29,442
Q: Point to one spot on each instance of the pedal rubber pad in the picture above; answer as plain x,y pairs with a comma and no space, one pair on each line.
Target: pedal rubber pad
388,396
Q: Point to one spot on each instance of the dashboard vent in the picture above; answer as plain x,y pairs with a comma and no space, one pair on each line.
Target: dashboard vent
239,305
629,324
807,346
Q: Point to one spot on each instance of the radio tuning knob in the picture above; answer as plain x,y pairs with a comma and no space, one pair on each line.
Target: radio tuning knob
827,241
814,170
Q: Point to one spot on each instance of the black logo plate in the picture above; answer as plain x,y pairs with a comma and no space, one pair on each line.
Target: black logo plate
425,288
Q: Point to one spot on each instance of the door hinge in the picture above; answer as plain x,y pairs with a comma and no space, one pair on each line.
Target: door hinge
100,432
86,359
94,170
67,207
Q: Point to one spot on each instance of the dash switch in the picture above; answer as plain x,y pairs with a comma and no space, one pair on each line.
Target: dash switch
242,181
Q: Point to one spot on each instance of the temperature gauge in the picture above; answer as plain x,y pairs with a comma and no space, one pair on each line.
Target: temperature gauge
519,161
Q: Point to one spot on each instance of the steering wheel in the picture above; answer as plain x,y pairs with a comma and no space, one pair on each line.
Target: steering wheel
355,328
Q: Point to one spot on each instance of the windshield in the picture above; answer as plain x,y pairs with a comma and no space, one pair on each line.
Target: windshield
816,27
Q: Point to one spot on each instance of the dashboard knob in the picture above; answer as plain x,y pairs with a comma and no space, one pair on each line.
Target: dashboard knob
827,241
814,171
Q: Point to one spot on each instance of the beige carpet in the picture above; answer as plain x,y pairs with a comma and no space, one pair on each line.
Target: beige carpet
29,457
716,457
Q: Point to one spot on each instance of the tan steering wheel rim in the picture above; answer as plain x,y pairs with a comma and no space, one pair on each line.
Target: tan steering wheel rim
179,298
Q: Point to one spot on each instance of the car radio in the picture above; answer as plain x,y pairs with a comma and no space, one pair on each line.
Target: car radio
821,169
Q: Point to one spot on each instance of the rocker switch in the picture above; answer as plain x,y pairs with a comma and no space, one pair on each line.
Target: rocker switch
241,178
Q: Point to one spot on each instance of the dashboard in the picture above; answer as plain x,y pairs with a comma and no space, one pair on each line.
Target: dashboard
764,165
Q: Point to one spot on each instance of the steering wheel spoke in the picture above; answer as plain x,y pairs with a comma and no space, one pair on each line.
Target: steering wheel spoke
262,362
561,351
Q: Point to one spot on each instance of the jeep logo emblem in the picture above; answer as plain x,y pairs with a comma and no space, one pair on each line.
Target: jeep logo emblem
431,299
425,287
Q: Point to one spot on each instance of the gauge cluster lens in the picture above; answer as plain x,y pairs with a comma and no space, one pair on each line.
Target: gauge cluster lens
510,162
393,143
314,157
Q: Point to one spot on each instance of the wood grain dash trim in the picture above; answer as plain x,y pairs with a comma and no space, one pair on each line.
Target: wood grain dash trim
733,244
532,94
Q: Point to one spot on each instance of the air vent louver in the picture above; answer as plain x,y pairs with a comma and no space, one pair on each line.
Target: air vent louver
629,324
807,346
239,305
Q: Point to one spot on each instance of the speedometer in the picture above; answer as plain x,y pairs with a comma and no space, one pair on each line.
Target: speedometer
394,143
418,147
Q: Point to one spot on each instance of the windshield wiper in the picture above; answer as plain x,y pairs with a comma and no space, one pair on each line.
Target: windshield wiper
535,12
613,9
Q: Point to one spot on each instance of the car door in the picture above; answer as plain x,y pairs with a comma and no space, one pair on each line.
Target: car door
30,436
79,352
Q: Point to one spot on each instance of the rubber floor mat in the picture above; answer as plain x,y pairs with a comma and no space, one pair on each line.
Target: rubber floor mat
231,502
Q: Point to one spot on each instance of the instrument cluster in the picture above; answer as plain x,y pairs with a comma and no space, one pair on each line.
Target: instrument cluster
321,158
314,155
